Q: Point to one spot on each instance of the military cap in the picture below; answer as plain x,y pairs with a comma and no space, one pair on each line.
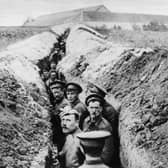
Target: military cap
69,111
94,97
93,138
57,83
71,86
96,88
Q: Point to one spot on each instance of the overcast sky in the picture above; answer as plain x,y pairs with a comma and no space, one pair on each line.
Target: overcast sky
14,12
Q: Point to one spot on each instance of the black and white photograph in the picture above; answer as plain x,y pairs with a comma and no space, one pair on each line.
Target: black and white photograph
83,84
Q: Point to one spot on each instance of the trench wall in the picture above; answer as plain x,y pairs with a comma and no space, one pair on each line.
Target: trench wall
135,77
24,126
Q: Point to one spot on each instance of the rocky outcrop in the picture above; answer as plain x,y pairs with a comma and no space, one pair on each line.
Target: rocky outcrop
24,126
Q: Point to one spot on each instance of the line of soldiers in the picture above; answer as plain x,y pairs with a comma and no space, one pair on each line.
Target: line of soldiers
69,116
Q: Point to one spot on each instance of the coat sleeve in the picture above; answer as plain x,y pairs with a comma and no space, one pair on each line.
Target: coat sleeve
80,154
108,150
110,114
82,109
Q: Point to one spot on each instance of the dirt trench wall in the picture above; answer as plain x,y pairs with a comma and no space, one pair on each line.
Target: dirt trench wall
140,82
24,126
22,57
89,55
138,79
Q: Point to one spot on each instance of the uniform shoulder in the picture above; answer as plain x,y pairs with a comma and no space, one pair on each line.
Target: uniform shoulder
106,124
48,82
87,119
108,106
64,103
105,121
80,105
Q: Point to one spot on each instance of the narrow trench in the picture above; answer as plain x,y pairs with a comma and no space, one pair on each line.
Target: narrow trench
56,55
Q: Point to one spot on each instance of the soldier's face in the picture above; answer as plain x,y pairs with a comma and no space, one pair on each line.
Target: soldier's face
53,75
45,73
58,93
69,124
53,65
95,110
72,96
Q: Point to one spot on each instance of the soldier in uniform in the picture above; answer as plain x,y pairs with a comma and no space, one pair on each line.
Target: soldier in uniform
52,78
44,75
54,74
71,150
72,93
109,111
59,102
95,121
110,114
92,143
53,65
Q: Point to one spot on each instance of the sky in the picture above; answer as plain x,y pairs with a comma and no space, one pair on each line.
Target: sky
15,12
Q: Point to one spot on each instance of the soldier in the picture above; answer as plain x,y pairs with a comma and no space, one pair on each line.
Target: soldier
95,121
53,65
110,114
52,78
92,143
44,75
59,102
72,92
109,111
71,150
58,74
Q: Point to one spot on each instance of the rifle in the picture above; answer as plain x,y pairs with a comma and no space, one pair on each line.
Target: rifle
51,160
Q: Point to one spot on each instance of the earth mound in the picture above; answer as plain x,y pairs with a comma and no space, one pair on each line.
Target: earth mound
24,125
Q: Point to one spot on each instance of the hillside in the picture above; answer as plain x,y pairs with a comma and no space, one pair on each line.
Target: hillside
9,35
94,14
24,126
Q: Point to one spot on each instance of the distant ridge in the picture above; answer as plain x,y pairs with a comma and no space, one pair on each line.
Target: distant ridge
94,14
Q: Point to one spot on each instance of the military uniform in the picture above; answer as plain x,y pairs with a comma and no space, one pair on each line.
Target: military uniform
59,75
82,109
77,104
58,137
93,143
102,124
71,151
110,114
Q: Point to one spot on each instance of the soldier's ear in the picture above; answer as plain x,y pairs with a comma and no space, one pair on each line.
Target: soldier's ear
101,107
77,123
